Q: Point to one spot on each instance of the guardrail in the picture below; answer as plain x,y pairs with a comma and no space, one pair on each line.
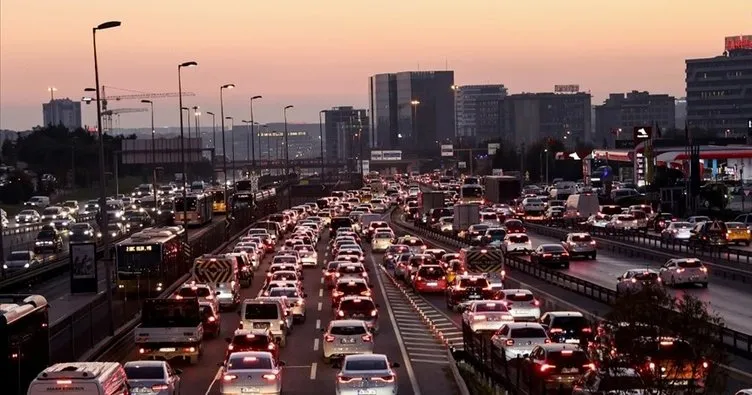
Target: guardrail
84,335
736,342
35,227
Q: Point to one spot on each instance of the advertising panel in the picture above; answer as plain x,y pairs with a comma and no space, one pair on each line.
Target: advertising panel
392,155
447,150
83,261
493,147
566,88
377,155
642,133
738,42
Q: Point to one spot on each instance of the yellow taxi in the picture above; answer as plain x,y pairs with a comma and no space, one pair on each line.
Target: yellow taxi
738,233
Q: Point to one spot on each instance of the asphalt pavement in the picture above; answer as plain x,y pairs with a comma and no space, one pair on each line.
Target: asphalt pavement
305,371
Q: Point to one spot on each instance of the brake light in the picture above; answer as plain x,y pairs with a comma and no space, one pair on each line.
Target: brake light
586,330
705,365
63,382
564,254
386,379
680,270
546,367
270,377
178,297
346,379
418,278
366,338
374,312
212,319
340,313
229,377
364,274
509,342
329,338
555,330
547,341
536,303
704,269
651,366
337,274
271,346
590,366
547,255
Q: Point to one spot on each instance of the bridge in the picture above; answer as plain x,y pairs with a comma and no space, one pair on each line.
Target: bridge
314,163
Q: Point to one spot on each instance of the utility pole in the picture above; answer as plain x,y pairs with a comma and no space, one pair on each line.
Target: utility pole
522,164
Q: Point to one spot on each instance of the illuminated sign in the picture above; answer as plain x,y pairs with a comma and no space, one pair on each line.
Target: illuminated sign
447,150
566,88
282,134
642,133
738,42
138,248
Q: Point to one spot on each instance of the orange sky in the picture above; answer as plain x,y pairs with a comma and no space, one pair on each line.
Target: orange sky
318,54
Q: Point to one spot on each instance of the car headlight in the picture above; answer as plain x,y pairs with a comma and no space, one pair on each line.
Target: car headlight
65,223
118,214
114,234
26,266
5,266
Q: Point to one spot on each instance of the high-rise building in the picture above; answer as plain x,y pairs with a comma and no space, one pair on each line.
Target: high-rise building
680,108
625,111
479,111
62,111
531,117
719,89
412,110
342,128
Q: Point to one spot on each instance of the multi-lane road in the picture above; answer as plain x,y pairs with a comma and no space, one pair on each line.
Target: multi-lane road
402,337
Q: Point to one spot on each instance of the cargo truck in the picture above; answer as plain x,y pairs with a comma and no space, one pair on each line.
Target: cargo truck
426,201
502,189
464,216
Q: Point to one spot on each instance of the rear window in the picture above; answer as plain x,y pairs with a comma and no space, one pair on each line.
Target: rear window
367,364
332,266
489,216
283,291
381,235
569,322
639,214
494,306
668,350
513,223
528,333
582,238
646,276
341,221
352,287
477,283
735,225
19,255
350,269
251,341
188,292
357,305
261,311
348,330
431,273
690,264
567,358
136,372
553,248
519,239
626,218
519,297
237,362
413,242
682,225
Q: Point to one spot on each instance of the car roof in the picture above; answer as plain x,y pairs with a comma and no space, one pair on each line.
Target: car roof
508,291
366,357
346,323
518,325
560,346
257,354
358,297
565,314
145,363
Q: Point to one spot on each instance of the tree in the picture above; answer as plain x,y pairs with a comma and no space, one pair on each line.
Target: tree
655,332
8,152
18,188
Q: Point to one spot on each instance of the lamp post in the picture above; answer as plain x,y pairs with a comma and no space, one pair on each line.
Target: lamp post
321,140
214,141
249,136
102,190
182,146
287,147
414,103
196,116
253,147
153,153
188,143
224,147
232,145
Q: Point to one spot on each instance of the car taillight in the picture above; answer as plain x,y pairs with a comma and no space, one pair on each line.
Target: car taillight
680,270
546,367
536,303
509,342
418,278
386,379
270,377
564,254
704,269
337,275
374,312
586,330
366,338
346,379
212,319
555,330
340,313
547,341
590,366
705,365
329,338
229,377
271,346
479,317
546,255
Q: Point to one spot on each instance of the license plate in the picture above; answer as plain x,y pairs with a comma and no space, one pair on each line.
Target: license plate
570,370
260,325
474,297
245,390
347,341
367,392
494,318
433,284
167,349
572,341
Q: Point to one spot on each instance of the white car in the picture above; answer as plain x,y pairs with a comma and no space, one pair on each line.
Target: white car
622,222
519,338
308,255
381,241
679,271
677,231
378,206
251,372
295,300
522,304
599,220
534,206
370,374
20,260
346,337
486,315
517,243
203,292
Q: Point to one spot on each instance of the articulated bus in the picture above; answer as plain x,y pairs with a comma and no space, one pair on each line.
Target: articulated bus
150,260
24,340
471,193
197,209
219,203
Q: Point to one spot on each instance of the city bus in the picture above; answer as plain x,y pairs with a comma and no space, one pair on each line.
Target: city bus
25,340
197,209
219,203
150,260
471,193
244,193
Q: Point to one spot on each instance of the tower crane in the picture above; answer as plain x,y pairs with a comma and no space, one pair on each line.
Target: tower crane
107,115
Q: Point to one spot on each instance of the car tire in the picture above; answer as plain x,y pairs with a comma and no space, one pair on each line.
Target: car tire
594,256
705,285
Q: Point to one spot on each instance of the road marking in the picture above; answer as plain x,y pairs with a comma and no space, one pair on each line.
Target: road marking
214,380
442,355
398,335
320,306
321,293
313,370
315,344
318,324
445,362
322,280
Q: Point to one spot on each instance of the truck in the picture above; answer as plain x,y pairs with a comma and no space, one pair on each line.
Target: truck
484,260
169,329
502,189
464,216
220,271
428,200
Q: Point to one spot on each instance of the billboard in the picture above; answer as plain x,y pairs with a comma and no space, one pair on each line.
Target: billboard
392,155
642,133
290,133
447,150
738,42
566,88
377,155
161,151
83,263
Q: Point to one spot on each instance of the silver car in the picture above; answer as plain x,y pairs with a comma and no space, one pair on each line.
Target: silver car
21,260
295,301
580,244
152,377
367,374
486,315
346,337
677,231
251,372
680,271
521,304
518,338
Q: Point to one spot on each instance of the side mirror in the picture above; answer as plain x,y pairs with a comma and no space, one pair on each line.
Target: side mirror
178,371
395,365
619,278
217,293
377,306
281,363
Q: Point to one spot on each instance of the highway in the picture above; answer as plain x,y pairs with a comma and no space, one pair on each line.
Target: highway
57,290
422,370
552,297
22,239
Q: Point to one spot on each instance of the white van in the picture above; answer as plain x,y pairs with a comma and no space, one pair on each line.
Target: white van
81,378
581,205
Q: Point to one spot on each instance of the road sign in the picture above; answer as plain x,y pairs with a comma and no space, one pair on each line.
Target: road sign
493,147
187,250
642,133
366,164
447,150
462,165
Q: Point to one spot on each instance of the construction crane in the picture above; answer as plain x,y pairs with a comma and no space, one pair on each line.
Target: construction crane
107,116
136,95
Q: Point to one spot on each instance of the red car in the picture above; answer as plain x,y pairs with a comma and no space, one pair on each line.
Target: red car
252,340
349,287
514,226
430,278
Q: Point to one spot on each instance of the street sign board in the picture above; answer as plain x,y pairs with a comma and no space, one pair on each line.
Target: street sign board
493,147
366,166
642,133
447,150
462,165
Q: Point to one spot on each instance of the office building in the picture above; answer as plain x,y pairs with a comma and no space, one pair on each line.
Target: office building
479,112
532,117
342,128
719,89
680,108
625,111
62,111
412,111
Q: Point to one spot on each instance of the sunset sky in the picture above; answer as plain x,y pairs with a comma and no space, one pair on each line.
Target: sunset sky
315,54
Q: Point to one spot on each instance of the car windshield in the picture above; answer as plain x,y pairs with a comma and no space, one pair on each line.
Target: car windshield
249,363
646,276
249,341
348,330
690,264
567,358
569,322
283,291
194,292
553,248
28,212
47,234
51,210
519,297
366,364
668,350
491,306
681,225
350,269
19,256
528,333
80,227
735,225
519,239
261,311
383,235
625,218
138,372
431,273
473,283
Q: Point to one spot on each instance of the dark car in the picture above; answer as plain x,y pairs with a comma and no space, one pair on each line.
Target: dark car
567,327
551,254
48,240
709,234
135,220
661,221
210,319
467,288
339,222
514,226
556,366
252,340
83,232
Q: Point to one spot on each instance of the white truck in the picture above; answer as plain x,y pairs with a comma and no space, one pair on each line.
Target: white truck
170,328
464,216
220,271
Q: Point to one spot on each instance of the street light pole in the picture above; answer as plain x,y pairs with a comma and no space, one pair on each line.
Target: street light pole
188,143
287,147
153,154
196,115
248,146
214,142
232,144
253,144
182,147
224,147
102,189
321,140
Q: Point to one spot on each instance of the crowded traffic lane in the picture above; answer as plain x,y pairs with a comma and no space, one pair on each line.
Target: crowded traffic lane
305,371
721,295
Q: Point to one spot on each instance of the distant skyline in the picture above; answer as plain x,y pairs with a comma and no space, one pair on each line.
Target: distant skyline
317,55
